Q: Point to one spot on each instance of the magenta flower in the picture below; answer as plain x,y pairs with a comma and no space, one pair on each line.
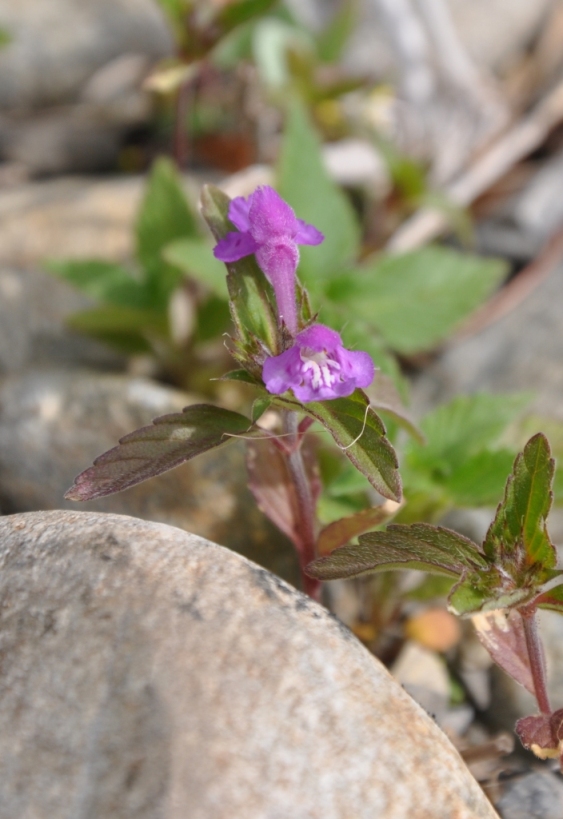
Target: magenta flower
318,367
270,229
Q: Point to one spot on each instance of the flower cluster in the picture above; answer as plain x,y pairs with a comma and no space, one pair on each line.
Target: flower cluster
317,367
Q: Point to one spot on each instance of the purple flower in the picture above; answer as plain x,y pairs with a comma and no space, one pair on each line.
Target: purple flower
269,228
318,367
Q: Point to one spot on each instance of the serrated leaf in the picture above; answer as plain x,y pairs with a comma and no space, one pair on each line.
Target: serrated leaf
164,216
250,293
105,281
303,181
480,479
195,258
168,442
417,299
273,488
344,530
420,546
360,434
518,535
502,634
552,599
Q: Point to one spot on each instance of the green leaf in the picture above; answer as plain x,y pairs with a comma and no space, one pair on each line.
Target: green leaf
332,40
168,442
420,546
518,535
417,299
128,328
195,258
384,397
552,599
250,293
360,434
461,429
303,181
105,281
344,530
164,217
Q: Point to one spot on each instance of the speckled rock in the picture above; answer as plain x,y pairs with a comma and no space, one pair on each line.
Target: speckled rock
53,424
149,673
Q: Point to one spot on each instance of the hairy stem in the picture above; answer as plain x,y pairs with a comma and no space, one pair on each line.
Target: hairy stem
306,505
535,655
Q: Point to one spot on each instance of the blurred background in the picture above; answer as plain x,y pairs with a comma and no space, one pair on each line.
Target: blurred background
424,137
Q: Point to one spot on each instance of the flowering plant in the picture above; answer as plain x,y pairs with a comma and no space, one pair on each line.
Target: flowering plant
301,369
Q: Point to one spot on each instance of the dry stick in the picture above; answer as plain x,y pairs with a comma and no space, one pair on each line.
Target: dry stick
509,149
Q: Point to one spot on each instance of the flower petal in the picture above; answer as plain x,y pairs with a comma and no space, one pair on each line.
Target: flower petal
239,208
319,337
307,234
278,260
234,246
282,372
270,217
357,367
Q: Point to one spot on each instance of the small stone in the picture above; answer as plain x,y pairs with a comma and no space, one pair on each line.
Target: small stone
533,796
422,673
149,673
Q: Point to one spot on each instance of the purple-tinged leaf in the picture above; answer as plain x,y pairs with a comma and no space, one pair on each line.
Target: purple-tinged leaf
166,443
342,531
537,734
551,599
273,489
502,634
517,537
420,546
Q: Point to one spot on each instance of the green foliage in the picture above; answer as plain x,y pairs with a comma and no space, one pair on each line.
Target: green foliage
332,40
303,181
417,299
509,571
168,442
195,258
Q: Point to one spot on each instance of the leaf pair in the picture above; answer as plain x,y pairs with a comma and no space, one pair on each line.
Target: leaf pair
510,569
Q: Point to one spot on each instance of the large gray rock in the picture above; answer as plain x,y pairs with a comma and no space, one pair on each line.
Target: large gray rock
34,308
148,673
70,79
53,424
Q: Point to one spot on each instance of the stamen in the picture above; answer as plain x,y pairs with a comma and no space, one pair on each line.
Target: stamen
319,365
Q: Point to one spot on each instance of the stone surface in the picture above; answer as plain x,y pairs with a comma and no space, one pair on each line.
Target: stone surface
53,425
148,673
34,307
495,32
522,351
71,77
533,796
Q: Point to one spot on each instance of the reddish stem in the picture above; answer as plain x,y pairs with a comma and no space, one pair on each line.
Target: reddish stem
306,504
536,658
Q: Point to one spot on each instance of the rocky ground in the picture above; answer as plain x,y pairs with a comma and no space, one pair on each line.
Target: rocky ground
147,672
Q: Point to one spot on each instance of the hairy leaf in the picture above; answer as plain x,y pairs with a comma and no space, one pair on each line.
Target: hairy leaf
164,217
360,434
552,599
344,530
502,634
416,300
420,546
518,534
168,442
541,734
303,181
